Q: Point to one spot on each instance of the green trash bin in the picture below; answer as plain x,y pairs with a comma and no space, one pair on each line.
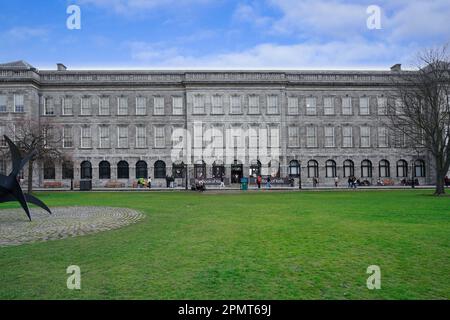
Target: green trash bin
244,183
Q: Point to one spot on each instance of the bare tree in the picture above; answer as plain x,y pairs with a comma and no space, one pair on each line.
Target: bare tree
419,109
43,136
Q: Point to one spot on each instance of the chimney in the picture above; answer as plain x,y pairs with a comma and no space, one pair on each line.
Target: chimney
396,67
61,67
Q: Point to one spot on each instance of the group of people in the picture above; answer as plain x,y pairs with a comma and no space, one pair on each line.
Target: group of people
259,182
447,181
142,183
353,182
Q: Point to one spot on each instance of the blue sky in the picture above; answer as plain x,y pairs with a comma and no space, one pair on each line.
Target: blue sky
221,34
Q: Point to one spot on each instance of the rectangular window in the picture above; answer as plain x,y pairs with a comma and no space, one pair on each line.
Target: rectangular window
365,137
67,137
66,106
122,137
217,139
104,137
398,106
329,137
235,105
382,137
18,103
158,106
217,104
274,137
293,136
382,106
141,106
86,108
311,138
103,109
347,137
253,105
199,104
311,106
347,108
253,139
49,110
272,104
160,141
122,106
364,106
293,105
3,106
86,137
141,139
328,106
177,105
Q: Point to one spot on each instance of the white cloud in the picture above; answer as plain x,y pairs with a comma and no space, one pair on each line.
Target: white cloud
333,55
23,33
127,7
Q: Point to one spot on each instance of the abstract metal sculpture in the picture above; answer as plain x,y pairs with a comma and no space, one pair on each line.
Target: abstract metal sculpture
10,189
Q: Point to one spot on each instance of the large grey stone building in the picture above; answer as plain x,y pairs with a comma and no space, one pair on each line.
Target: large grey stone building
121,125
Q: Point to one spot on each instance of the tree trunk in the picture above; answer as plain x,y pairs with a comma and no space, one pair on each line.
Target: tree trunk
30,176
440,187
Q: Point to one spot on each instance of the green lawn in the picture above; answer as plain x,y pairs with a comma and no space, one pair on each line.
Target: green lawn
291,245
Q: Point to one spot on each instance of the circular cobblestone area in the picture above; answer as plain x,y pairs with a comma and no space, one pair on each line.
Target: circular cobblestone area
16,229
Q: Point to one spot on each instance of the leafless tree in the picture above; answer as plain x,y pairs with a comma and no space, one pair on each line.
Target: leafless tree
43,136
419,109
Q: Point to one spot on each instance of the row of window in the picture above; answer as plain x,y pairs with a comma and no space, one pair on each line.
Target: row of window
217,136
200,102
348,169
123,172
18,103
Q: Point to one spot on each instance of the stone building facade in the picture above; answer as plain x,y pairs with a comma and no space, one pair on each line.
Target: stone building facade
121,125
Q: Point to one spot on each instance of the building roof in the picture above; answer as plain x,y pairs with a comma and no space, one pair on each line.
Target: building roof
16,65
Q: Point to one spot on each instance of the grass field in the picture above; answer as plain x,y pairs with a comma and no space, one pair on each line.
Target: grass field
280,245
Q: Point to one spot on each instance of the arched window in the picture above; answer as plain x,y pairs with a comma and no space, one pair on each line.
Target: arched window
313,169
141,170
349,168
402,168
86,170
200,170
104,170
49,170
218,169
178,170
67,170
366,169
123,170
160,169
384,169
419,168
330,169
255,168
274,169
294,169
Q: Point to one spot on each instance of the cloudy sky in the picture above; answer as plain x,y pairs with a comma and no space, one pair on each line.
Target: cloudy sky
223,34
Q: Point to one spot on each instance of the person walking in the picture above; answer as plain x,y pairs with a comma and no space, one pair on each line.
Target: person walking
350,182
336,182
258,181
222,183
268,185
149,182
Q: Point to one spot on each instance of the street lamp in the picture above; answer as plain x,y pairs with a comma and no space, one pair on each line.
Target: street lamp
412,174
299,174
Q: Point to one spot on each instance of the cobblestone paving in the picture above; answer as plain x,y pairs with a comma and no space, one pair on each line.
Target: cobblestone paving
16,229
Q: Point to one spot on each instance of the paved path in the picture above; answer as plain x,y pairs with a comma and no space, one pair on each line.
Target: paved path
16,229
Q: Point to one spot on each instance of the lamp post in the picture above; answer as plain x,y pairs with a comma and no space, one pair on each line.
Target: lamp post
299,175
186,176
412,174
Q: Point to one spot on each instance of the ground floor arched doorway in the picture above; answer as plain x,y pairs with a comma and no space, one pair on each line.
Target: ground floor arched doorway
236,172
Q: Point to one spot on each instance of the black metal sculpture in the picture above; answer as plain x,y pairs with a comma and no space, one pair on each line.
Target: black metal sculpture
10,189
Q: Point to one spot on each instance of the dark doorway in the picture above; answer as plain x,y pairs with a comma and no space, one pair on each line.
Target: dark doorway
236,172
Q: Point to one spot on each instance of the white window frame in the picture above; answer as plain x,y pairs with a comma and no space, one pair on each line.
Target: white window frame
84,102
383,137
141,106
364,139
48,102
177,106
254,104
347,137
104,105
364,106
65,137
311,106
217,104
311,137
293,136
235,104
121,129
104,137
158,106
198,104
160,140
382,106
141,140
330,138
293,106
347,106
22,106
273,104
86,138
122,109
5,103
328,106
